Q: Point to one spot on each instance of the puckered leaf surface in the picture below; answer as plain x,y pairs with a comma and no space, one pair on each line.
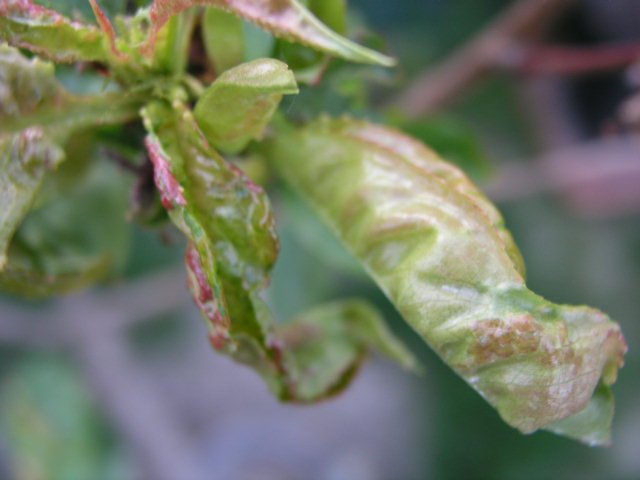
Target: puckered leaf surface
236,108
287,19
438,249
232,247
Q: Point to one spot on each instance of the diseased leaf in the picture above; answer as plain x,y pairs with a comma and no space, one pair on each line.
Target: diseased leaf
209,196
224,39
232,247
286,19
24,160
37,116
25,24
236,108
438,249
76,238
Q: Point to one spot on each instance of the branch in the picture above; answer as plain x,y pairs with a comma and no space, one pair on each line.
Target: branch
557,60
597,179
442,83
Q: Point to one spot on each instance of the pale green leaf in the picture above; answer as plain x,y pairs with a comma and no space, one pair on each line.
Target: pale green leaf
438,249
224,39
236,108
24,160
287,19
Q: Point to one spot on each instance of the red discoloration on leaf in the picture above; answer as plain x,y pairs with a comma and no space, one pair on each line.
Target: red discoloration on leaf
171,192
28,9
250,184
497,339
204,295
218,341
107,27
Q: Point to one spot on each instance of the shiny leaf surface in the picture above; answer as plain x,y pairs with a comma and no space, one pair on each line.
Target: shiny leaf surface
236,108
438,249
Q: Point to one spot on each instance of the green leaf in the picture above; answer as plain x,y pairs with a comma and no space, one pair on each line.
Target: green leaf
24,160
287,19
331,12
439,251
236,108
224,39
26,24
74,239
232,247
208,197
51,427
37,116
454,141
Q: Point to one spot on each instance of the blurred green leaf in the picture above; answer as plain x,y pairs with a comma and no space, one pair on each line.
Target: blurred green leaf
331,12
224,39
37,117
284,18
24,160
439,250
237,107
65,244
26,24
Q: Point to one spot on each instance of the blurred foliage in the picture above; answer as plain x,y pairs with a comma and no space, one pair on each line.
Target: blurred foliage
51,428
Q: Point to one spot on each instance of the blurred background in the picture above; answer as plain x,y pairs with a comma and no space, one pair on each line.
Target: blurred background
540,107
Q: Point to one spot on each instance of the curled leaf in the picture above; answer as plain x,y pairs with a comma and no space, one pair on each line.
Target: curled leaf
232,247
287,19
438,249
236,108
25,24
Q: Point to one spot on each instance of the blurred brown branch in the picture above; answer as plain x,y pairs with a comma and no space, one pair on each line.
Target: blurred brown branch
443,82
596,179
560,60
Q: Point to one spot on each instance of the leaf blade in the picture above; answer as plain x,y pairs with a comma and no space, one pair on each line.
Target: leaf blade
435,247
26,24
287,19
237,107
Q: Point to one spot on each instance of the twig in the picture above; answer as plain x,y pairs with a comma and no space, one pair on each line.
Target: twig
559,60
597,179
442,83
